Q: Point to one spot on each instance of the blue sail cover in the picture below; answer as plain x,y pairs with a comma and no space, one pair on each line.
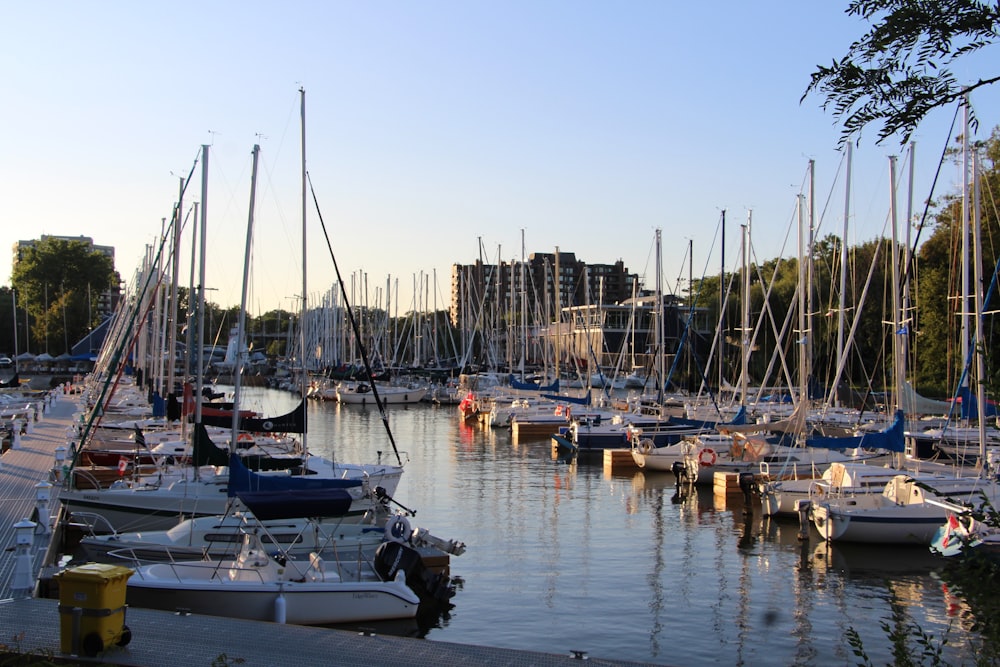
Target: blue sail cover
293,422
159,405
308,503
242,478
970,405
583,400
532,386
890,439
738,419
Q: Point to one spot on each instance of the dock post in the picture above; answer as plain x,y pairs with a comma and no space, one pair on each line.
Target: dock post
22,579
43,491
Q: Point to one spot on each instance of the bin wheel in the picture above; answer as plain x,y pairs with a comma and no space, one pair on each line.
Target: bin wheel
126,636
92,645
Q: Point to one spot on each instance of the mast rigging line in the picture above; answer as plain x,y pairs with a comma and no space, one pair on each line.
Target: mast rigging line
354,324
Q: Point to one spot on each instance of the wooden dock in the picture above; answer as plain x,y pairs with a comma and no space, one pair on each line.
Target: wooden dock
24,467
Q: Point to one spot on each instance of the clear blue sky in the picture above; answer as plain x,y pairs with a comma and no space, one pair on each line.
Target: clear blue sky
432,125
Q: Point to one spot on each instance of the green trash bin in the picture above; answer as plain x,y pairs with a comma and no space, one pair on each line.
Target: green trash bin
92,608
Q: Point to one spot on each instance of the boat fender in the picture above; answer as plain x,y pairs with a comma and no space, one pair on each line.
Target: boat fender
280,608
397,529
707,457
645,446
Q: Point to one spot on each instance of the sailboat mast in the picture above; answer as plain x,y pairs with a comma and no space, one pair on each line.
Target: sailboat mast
722,294
524,312
896,323
979,288
964,308
907,311
241,326
809,275
745,315
304,377
842,311
803,333
175,265
658,322
200,335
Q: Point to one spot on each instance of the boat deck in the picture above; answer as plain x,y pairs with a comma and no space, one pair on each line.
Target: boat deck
32,625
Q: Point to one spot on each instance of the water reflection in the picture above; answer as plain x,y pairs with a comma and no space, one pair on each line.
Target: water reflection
568,554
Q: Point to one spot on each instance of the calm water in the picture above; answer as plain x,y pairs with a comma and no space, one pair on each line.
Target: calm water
568,556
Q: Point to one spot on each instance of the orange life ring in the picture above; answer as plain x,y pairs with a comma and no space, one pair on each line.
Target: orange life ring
707,457
559,411
244,437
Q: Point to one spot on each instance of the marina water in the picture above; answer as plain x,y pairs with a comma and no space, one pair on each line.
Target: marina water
567,556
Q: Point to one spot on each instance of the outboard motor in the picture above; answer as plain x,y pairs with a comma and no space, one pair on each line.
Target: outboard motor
680,475
395,555
747,485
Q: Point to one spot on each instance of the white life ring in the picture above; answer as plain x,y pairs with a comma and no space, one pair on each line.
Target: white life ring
707,457
397,529
645,446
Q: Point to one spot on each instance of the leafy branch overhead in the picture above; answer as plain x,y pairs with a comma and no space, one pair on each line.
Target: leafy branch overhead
899,71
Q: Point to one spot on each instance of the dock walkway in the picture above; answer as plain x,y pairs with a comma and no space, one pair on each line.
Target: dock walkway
28,464
32,625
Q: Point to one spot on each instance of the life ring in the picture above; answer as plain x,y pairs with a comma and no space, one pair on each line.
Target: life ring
244,437
559,411
568,416
645,446
397,529
707,457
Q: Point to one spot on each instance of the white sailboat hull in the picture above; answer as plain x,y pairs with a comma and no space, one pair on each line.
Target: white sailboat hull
896,524
160,506
205,587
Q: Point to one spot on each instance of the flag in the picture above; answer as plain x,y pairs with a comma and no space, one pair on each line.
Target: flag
140,439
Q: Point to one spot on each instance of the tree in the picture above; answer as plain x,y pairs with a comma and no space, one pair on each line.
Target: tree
938,359
899,71
54,280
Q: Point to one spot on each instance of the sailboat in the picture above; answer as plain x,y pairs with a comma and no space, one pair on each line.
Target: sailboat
172,493
912,507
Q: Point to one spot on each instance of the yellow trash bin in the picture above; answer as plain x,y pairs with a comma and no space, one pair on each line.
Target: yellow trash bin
92,608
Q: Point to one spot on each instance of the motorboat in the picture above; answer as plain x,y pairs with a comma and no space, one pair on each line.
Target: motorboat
266,585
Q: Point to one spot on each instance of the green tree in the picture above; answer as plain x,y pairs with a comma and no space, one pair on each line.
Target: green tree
59,282
900,70
938,354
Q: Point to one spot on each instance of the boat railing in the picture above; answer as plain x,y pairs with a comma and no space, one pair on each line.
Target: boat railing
94,524
175,561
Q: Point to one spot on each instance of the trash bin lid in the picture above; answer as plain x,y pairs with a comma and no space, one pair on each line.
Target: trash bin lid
95,572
